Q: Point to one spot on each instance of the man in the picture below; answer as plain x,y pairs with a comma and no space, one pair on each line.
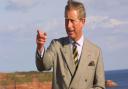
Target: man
77,63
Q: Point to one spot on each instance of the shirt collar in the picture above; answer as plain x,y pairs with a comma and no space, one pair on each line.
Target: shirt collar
79,42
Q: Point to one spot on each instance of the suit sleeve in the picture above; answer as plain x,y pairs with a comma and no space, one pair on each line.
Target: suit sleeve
46,61
99,80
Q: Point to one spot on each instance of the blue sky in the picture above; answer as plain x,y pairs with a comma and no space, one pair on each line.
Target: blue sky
106,25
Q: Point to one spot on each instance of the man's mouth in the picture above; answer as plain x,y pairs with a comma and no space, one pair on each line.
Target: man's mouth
70,32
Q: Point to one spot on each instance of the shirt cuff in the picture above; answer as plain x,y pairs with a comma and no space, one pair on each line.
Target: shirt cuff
40,52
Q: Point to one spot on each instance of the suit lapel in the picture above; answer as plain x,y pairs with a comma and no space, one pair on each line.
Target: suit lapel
82,66
85,58
68,56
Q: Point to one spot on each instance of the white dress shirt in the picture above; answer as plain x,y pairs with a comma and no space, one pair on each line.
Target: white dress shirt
79,45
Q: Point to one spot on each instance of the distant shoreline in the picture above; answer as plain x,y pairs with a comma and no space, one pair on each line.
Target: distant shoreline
51,71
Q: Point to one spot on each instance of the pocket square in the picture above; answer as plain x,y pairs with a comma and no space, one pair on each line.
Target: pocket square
92,63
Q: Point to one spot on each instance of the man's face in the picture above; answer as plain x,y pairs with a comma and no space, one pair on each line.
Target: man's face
74,25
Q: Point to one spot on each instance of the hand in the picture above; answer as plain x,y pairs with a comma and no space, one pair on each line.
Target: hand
40,39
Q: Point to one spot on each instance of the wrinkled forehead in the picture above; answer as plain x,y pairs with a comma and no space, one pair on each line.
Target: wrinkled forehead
71,14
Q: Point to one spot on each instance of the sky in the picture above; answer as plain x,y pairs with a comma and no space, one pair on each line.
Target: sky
106,25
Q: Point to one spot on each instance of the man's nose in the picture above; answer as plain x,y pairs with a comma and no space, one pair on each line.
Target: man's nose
69,23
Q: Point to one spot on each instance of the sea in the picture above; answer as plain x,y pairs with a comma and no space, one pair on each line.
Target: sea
118,76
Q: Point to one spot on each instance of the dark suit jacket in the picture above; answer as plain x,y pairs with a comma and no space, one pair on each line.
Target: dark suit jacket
88,75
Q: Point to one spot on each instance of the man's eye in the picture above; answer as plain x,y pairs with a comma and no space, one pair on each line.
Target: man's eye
71,20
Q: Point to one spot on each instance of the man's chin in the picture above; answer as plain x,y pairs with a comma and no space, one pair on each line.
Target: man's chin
71,37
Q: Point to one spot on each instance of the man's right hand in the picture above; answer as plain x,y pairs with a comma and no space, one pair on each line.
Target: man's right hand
40,40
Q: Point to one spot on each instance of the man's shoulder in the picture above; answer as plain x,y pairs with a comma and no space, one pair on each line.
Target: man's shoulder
61,41
91,44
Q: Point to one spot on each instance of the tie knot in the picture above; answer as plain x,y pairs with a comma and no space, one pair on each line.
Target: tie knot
74,43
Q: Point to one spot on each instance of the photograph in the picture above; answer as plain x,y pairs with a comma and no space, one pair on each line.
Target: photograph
68,44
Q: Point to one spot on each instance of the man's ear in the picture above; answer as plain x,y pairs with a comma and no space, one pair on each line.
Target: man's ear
83,20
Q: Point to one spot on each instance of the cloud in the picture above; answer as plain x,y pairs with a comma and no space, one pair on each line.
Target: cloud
21,4
115,42
115,22
105,22
51,24
111,33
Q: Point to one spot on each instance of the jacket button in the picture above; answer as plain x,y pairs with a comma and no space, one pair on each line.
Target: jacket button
63,76
86,80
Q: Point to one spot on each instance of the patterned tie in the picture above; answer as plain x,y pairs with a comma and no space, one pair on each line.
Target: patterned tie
75,53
